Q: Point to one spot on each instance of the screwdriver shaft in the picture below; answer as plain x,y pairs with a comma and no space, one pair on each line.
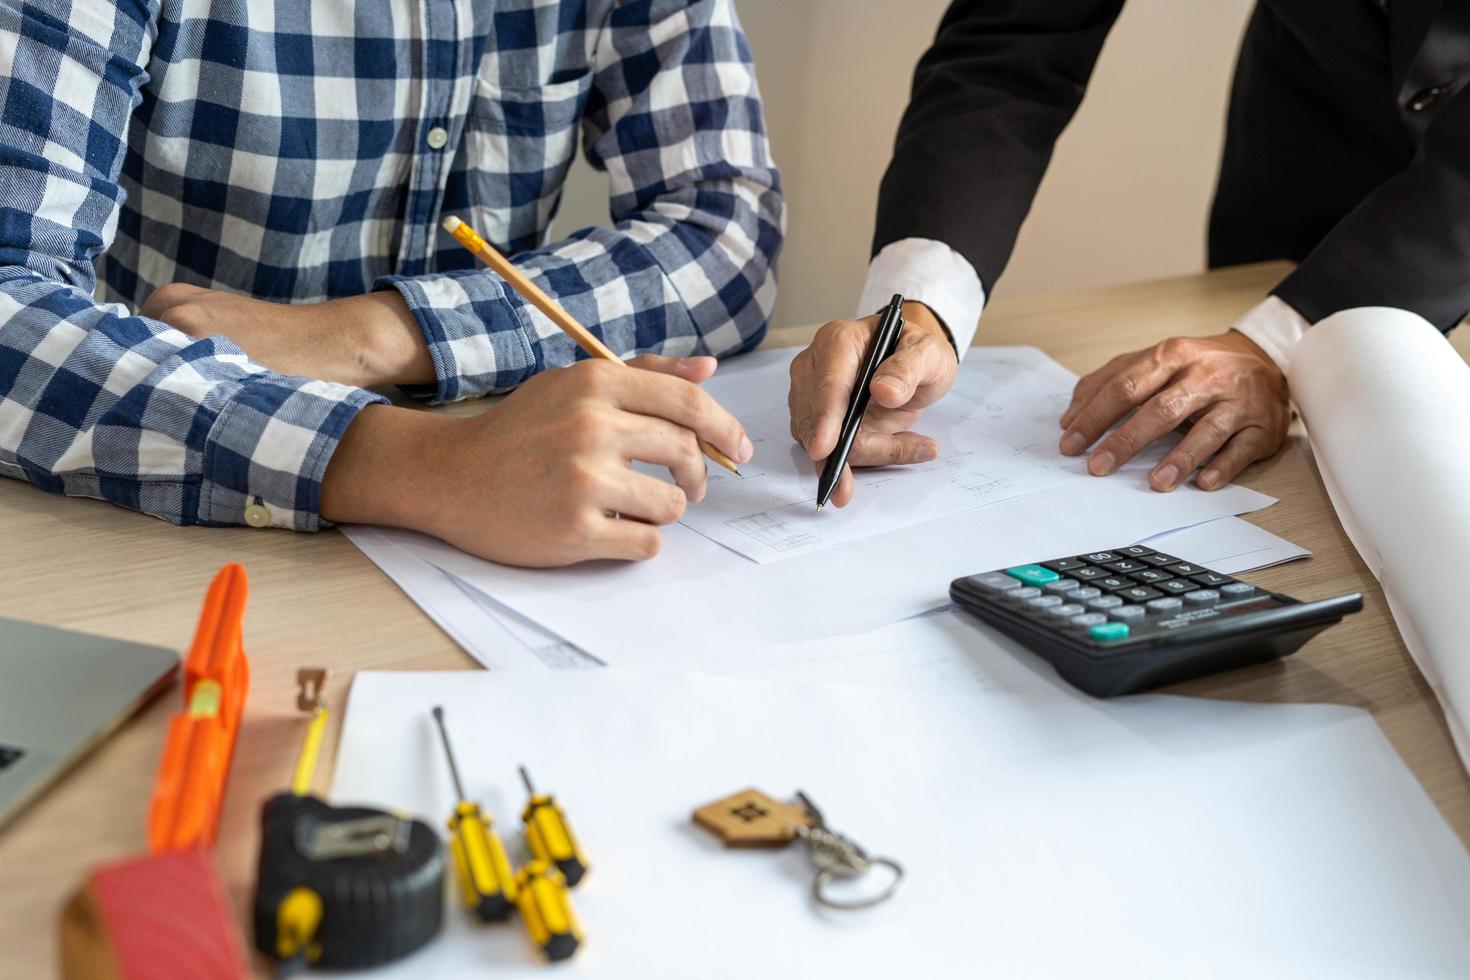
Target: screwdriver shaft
448,752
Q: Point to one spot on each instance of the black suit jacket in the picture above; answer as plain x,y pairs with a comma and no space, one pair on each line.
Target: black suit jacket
1347,145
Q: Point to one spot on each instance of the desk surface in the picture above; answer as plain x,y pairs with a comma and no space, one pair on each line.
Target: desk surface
315,600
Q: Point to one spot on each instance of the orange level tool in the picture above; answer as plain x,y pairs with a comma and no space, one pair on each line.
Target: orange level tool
185,808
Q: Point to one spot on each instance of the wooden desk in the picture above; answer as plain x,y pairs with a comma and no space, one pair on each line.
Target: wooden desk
315,600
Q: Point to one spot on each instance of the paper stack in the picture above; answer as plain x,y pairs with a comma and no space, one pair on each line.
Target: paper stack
756,558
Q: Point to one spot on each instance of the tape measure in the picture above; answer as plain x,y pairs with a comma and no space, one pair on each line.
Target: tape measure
342,887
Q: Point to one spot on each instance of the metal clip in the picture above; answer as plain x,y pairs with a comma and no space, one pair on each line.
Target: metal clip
376,836
838,856
309,684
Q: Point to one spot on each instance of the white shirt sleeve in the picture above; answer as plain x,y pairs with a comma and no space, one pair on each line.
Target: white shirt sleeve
1274,327
934,274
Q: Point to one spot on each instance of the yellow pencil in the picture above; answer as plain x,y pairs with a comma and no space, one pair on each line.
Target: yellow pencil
533,294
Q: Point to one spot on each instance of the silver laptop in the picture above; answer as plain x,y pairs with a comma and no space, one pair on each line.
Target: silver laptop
61,694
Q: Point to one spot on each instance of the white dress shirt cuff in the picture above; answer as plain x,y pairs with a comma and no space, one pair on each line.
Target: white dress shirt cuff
932,273
1274,327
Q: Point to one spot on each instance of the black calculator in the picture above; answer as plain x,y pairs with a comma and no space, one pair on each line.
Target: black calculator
1115,622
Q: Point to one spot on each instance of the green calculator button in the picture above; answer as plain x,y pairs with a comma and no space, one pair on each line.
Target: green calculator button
1110,631
1033,574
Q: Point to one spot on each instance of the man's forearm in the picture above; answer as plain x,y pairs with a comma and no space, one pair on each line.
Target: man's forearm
394,349
384,466
366,340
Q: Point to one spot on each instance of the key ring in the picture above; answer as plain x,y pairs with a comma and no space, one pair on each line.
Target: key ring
825,875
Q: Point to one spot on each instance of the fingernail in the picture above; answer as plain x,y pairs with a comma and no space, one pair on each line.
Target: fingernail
1101,463
747,450
1165,477
891,382
928,453
1209,478
1073,443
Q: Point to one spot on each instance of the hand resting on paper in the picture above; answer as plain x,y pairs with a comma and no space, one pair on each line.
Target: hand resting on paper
543,478
915,377
1230,390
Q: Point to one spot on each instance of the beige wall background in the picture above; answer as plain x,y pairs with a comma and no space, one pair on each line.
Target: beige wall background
1127,193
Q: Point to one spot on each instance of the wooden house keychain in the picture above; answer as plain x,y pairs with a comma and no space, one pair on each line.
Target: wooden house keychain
752,819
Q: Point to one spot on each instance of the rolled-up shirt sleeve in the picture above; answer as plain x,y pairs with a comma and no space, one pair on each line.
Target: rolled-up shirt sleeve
95,401
688,265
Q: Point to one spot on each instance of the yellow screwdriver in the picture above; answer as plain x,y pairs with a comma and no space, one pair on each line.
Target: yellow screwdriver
485,878
546,909
549,836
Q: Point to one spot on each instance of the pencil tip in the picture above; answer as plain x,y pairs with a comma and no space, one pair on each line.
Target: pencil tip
819,508
736,471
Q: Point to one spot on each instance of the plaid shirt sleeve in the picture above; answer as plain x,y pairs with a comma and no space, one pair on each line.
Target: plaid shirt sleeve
674,118
95,402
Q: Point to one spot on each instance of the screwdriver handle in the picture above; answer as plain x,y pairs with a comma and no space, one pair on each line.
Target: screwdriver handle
486,881
545,905
550,838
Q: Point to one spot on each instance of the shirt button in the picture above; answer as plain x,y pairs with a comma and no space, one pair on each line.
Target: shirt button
256,515
1428,97
436,138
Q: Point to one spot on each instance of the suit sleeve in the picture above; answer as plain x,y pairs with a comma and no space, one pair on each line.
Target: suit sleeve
990,98
1407,245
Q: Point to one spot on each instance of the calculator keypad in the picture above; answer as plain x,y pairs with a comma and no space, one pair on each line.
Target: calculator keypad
1108,597
1125,566
1129,619
1063,564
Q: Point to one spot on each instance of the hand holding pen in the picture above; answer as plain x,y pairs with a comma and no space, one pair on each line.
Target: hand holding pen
913,376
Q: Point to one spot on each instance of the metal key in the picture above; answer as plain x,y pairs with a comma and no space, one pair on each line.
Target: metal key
839,856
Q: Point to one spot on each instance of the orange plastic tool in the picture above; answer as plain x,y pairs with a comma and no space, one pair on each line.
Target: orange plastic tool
184,811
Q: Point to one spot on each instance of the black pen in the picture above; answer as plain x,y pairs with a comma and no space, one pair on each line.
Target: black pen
885,341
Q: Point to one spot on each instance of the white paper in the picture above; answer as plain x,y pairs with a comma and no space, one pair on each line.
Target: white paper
1229,546
548,649
698,603
996,429
454,611
1159,837
1387,405
495,636
946,648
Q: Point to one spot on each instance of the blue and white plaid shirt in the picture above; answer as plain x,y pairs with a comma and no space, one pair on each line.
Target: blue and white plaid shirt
299,150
